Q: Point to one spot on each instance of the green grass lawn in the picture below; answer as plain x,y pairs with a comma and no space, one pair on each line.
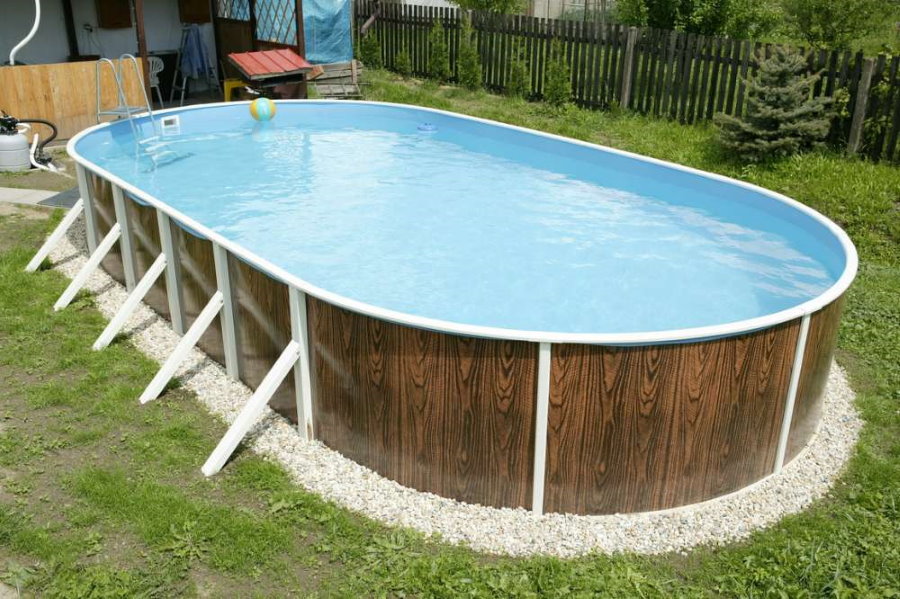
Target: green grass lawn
102,498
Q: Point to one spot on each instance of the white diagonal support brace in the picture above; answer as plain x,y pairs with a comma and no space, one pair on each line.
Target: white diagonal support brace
90,266
193,334
252,409
131,302
56,236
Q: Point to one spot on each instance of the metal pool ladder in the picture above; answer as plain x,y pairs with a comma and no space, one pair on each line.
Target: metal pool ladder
153,146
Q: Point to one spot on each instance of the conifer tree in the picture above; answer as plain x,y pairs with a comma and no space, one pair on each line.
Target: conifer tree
468,61
557,77
518,85
403,63
370,51
781,118
438,54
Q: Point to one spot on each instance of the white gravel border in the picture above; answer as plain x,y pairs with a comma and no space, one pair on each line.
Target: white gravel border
515,532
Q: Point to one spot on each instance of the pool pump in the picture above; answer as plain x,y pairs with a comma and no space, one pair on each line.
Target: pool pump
15,152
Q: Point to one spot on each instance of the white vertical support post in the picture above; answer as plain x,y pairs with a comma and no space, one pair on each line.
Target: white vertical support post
226,318
125,243
90,266
799,353
90,218
131,302
252,410
541,417
185,345
173,274
302,380
56,236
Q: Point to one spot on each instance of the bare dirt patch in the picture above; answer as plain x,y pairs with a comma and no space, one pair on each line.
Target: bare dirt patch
39,179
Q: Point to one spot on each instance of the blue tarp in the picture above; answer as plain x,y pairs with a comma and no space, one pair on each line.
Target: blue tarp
326,24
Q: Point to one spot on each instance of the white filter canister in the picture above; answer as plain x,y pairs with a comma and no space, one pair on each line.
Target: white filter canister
14,153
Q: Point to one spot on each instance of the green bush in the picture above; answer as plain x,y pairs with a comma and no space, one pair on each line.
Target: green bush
557,78
403,63
834,24
706,17
468,61
753,19
438,54
742,19
631,12
519,83
370,51
495,6
781,118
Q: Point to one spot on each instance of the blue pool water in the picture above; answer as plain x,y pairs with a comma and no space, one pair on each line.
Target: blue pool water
476,224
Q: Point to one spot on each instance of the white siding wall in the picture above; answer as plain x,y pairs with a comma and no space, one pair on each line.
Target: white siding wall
161,22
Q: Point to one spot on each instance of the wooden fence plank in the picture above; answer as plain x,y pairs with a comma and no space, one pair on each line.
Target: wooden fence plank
679,75
859,110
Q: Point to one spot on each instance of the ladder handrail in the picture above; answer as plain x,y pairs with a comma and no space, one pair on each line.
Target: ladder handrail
115,74
138,73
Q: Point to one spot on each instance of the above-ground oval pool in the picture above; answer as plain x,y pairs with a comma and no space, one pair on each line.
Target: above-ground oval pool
491,314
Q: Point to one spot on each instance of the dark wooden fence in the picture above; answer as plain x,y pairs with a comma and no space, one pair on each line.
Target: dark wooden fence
669,74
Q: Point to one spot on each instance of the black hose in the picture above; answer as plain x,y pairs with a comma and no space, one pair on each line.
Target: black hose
39,155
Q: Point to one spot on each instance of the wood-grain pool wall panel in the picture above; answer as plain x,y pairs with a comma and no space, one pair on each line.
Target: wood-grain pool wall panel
820,344
197,273
146,249
645,428
263,330
105,217
630,428
441,413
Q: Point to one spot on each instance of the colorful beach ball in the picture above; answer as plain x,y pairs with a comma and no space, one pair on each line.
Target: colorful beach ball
262,109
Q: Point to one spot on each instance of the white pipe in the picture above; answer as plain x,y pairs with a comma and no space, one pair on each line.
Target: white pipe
49,168
34,28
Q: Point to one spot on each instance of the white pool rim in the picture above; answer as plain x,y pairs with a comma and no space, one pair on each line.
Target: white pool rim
642,338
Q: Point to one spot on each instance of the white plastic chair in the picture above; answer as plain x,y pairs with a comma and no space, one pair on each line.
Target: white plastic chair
156,67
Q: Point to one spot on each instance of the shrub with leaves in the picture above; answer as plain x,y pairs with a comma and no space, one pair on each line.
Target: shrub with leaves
753,19
519,83
781,116
438,54
495,6
737,18
468,61
557,78
370,51
832,23
403,63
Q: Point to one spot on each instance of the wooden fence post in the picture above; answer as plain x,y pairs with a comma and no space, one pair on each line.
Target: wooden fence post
628,66
859,110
